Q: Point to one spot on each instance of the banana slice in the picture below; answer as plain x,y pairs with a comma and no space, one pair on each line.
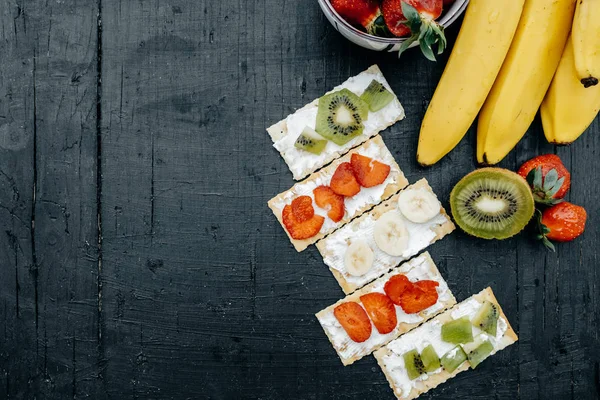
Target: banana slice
390,233
418,205
359,258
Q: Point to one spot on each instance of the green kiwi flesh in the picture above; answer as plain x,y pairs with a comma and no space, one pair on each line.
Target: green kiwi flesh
413,364
477,352
492,203
457,331
340,116
486,318
430,359
377,96
453,359
310,141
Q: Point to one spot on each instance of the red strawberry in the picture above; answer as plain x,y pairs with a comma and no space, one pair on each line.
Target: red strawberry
562,223
365,13
395,286
417,19
343,181
354,320
548,178
301,230
427,285
421,296
327,199
369,172
302,208
381,310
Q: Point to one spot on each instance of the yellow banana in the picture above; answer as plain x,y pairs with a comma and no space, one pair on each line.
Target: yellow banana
568,108
524,77
586,41
481,46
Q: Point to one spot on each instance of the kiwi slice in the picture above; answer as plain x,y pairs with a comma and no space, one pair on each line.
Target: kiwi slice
453,359
486,318
340,116
492,203
310,141
413,364
478,351
377,96
430,359
458,331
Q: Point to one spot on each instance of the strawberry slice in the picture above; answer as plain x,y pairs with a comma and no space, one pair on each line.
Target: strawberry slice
354,320
396,286
327,199
381,310
369,172
302,208
422,295
343,181
300,230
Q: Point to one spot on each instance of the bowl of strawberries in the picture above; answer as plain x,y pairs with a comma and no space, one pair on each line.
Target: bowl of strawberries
394,25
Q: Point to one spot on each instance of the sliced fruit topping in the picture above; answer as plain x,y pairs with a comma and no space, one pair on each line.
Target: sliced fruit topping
548,178
311,141
381,310
377,96
301,230
365,13
302,208
390,233
457,331
418,205
453,359
420,297
413,364
329,200
486,318
343,181
340,116
369,172
358,259
492,203
478,351
430,359
354,320
562,223
417,19
396,286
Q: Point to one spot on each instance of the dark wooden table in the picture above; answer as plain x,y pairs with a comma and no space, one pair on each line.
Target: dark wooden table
139,258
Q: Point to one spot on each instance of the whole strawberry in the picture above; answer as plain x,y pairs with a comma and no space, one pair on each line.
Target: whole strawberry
548,178
417,19
561,223
365,13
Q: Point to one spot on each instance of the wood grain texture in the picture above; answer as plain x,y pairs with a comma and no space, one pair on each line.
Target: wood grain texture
146,119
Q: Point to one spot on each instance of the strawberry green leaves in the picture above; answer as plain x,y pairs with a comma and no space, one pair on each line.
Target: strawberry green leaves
545,187
426,31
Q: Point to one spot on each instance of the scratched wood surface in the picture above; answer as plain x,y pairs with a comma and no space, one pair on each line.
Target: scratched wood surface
139,258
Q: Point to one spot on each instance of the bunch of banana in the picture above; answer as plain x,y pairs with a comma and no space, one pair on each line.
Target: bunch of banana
514,76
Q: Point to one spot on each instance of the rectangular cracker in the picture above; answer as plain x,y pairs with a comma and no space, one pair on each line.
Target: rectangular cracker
333,247
419,268
391,361
285,132
356,205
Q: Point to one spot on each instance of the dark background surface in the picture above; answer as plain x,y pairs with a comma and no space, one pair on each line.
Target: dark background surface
138,257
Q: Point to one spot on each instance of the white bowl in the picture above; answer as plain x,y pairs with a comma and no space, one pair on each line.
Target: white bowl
378,43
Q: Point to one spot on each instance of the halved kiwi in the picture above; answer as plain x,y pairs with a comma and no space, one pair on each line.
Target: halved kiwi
486,318
340,116
413,364
457,331
492,203
310,141
377,96
478,351
453,359
430,359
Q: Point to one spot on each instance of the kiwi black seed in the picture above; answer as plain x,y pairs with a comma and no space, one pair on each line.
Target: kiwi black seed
377,96
486,318
492,203
413,364
310,141
340,116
